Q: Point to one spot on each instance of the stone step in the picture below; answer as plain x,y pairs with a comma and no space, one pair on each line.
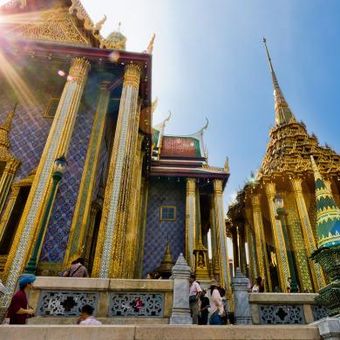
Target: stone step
40,320
158,332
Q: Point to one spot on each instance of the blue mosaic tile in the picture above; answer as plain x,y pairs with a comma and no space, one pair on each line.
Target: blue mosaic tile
58,230
163,192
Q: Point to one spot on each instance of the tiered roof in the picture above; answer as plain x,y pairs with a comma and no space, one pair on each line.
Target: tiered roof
290,146
182,155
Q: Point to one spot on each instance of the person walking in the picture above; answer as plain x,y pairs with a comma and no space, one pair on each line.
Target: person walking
216,310
205,304
194,294
19,310
77,269
258,286
86,316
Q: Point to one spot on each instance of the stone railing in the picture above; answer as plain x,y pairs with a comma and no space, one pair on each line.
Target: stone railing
283,308
113,299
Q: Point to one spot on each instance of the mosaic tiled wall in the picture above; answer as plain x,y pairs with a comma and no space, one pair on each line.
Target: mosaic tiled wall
28,134
58,230
163,192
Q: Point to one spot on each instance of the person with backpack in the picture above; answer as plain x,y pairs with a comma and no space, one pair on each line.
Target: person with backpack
77,269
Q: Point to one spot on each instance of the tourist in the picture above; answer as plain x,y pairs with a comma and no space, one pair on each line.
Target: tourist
194,294
77,269
204,308
19,310
86,316
217,309
258,287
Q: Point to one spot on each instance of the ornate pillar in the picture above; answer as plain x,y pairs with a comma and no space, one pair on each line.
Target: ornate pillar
242,250
56,145
7,179
260,241
142,224
190,222
214,245
109,252
88,250
308,235
236,250
253,273
80,221
280,246
133,228
221,236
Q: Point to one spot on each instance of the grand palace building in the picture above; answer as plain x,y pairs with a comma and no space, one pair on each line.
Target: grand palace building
83,172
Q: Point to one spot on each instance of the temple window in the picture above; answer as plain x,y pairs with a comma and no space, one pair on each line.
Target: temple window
51,107
168,213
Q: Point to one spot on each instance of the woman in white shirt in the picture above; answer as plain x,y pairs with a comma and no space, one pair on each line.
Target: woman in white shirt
216,310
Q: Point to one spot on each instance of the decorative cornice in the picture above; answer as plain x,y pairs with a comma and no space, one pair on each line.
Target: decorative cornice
132,75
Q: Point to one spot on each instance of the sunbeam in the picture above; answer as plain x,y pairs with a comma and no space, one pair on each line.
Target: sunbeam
19,86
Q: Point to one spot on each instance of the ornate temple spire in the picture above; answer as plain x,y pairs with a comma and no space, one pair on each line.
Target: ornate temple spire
6,127
328,213
283,114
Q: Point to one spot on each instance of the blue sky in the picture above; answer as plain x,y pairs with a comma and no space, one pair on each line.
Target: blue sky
209,61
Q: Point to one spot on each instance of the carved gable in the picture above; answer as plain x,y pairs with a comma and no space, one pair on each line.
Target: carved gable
60,21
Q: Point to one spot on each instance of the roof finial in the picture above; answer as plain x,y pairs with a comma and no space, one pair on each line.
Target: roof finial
98,26
283,114
149,49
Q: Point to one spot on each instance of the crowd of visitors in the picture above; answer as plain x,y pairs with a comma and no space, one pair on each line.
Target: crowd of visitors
204,309
201,306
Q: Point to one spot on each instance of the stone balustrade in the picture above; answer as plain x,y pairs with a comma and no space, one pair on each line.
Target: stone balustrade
58,300
285,308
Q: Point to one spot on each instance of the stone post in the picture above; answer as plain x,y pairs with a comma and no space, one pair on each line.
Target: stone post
241,299
329,328
180,306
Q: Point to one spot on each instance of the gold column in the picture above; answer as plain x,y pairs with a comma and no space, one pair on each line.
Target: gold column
109,252
253,273
80,221
307,230
190,222
260,241
56,145
7,179
236,250
142,224
214,245
221,236
133,227
280,246
95,207
242,249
